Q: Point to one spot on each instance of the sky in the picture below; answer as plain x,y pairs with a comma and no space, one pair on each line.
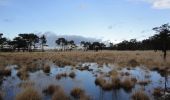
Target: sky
114,20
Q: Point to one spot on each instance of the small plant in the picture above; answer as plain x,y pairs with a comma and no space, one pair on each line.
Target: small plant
140,95
72,74
77,92
28,94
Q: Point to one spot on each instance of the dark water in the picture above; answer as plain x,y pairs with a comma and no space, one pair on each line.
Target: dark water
84,79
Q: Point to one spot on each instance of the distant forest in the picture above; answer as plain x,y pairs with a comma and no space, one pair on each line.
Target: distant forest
30,41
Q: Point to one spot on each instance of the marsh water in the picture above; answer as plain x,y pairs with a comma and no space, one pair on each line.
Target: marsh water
12,85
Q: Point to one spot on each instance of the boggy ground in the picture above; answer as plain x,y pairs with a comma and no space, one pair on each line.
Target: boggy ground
142,73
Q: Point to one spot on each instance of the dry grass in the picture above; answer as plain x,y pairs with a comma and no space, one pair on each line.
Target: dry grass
140,95
59,95
61,75
122,58
108,84
127,84
100,81
26,84
116,82
28,94
77,92
51,89
46,69
23,73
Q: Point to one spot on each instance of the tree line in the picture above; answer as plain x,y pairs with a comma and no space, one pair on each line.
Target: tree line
30,41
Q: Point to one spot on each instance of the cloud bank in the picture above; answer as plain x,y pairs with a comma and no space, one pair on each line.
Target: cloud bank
52,37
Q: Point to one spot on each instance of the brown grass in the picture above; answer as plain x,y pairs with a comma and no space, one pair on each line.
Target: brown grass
122,58
46,69
127,84
51,89
28,94
77,92
108,85
100,81
140,95
61,75
116,82
59,95
23,73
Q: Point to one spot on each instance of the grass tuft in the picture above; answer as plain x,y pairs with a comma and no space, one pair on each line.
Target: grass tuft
77,92
28,94
72,75
140,95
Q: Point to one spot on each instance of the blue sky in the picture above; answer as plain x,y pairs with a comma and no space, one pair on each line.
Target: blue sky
113,20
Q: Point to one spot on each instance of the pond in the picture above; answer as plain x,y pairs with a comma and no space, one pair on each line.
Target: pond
85,76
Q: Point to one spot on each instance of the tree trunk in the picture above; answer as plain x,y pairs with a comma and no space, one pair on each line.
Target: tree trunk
164,54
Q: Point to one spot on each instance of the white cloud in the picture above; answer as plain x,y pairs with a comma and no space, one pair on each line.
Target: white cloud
161,4
157,4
